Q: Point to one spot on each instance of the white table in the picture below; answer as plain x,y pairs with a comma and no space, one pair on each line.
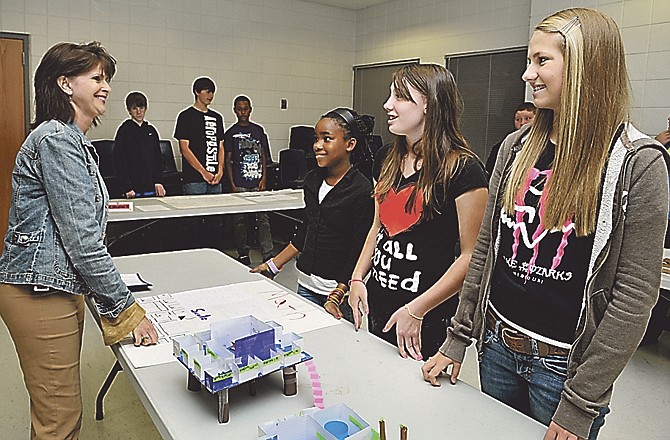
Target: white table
665,278
356,368
152,208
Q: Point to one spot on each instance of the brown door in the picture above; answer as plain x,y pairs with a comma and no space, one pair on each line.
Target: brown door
12,119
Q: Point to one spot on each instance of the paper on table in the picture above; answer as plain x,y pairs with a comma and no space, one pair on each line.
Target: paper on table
274,198
151,208
175,314
206,201
135,282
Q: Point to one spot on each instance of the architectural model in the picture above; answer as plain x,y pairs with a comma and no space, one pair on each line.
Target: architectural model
236,351
337,422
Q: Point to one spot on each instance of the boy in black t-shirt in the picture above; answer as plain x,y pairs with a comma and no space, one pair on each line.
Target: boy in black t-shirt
246,144
524,114
200,133
200,130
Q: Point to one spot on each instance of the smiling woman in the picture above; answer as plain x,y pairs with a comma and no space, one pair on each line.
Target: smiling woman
88,95
67,68
545,70
54,251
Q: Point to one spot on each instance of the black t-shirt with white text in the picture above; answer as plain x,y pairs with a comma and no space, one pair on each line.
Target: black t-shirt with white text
412,252
247,145
204,131
539,276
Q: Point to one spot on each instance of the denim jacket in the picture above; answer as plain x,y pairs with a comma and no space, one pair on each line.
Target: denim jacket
57,219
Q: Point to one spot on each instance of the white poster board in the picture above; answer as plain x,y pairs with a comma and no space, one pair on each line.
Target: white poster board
176,314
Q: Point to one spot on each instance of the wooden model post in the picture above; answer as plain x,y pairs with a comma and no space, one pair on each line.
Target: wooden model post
290,381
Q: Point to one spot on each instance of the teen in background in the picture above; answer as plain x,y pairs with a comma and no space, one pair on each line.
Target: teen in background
54,251
524,114
137,153
430,195
246,146
566,266
664,136
200,131
338,214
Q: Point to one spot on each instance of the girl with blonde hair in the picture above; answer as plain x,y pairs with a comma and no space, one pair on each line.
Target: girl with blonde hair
566,267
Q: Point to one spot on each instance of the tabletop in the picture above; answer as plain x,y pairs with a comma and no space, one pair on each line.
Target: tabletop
356,368
151,208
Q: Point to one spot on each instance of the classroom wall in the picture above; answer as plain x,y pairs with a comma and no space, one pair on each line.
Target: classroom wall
645,26
430,29
304,51
266,49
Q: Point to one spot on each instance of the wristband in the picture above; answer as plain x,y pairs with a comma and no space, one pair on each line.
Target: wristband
273,267
355,280
418,318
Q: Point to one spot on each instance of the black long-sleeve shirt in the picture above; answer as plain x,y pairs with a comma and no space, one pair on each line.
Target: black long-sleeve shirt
137,156
332,236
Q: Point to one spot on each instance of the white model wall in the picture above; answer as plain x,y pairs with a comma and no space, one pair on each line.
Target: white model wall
267,50
430,29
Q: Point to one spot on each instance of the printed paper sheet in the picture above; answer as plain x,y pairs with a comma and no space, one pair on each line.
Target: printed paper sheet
175,314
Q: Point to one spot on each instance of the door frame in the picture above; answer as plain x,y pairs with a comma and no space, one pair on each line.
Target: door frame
26,73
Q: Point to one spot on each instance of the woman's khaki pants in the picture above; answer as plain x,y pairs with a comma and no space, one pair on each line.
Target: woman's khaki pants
47,332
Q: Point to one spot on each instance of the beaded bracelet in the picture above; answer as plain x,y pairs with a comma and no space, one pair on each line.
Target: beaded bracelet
335,297
419,318
331,301
339,289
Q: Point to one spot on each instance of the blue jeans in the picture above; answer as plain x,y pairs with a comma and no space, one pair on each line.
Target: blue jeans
262,223
201,188
204,231
530,384
345,308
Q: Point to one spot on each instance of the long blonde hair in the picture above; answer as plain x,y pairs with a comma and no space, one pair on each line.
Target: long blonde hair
442,146
595,100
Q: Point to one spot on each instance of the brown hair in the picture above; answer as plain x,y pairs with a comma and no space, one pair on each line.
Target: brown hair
66,59
526,106
442,146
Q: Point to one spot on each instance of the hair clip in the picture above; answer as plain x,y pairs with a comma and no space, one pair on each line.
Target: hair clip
568,27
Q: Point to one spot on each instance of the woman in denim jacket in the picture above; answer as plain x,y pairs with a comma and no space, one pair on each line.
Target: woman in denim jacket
53,250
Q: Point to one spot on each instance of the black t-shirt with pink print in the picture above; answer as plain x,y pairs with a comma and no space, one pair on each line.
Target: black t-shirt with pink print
539,276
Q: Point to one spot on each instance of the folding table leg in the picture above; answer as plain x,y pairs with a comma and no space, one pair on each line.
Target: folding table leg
99,413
